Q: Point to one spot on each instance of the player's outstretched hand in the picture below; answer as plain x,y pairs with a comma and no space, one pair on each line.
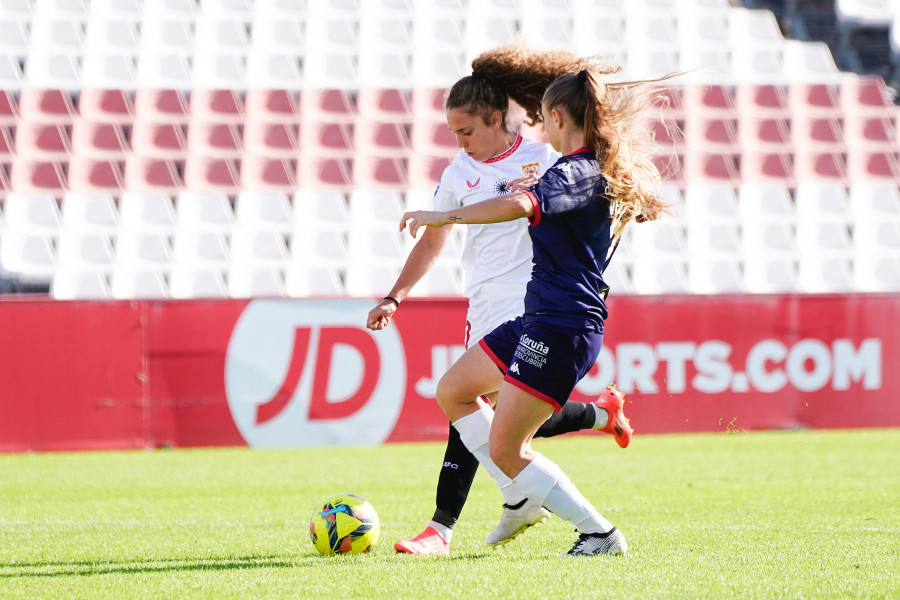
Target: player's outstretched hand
422,218
380,316
522,183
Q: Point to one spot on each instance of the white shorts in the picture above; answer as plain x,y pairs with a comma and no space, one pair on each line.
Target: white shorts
493,304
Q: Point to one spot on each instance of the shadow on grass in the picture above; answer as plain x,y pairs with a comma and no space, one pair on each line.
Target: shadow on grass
150,565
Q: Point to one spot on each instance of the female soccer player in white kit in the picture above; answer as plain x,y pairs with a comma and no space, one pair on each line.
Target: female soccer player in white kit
498,261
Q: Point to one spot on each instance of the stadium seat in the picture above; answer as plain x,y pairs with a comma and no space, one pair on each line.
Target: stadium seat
41,177
658,252
380,172
216,106
128,284
46,106
107,106
251,282
320,210
32,213
29,257
258,249
159,140
42,141
215,140
69,284
325,173
425,170
212,175
762,100
89,213
96,139
92,175
143,251
147,174
272,105
327,139
201,250
11,76
84,252
392,105
263,211
302,281
190,282
367,281
270,139
204,211
161,105
263,173
151,212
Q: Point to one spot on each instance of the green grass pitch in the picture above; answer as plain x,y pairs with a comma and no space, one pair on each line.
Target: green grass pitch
806,514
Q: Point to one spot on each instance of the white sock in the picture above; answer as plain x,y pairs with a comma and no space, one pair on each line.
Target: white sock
474,431
601,417
546,484
445,532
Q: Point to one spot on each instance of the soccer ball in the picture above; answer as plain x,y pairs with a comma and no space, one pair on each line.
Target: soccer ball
344,524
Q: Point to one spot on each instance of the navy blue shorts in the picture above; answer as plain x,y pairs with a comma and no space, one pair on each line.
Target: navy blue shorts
542,360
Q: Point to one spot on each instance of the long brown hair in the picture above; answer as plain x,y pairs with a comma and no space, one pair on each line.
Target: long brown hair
611,116
515,71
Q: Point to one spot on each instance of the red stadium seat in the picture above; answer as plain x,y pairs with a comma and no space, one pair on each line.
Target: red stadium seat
148,174
425,170
762,100
168,106
388,105
93,175
319,172
271,139
218,106
42,140
220,140
762,165
38,176
212,174
334,140
282,106
107,106
379,172
708,166
98,140
258,173
46,106
158,139
334,106
815,100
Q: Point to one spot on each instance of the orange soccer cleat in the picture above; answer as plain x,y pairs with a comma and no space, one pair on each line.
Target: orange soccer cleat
427,542
613,402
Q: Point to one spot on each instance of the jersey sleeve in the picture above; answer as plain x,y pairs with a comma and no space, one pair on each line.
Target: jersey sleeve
558,191
445,196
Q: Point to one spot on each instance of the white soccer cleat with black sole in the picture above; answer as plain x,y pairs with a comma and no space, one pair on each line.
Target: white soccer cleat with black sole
515,520
594,544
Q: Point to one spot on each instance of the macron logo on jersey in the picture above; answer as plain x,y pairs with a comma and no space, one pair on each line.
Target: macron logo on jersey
471,185
514,368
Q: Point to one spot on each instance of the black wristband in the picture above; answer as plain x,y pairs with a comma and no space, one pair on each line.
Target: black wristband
394,300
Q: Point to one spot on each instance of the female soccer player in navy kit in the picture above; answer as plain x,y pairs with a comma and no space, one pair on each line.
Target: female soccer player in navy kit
604,180
498,261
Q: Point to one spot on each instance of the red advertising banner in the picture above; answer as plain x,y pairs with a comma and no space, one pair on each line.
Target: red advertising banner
274,373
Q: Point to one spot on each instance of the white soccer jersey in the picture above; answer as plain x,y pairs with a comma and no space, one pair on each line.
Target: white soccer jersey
503,250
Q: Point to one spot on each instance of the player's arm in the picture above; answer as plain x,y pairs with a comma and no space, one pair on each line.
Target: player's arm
421,258
494,210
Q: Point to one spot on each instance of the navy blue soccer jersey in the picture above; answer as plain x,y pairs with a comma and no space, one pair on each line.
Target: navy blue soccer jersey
570,235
